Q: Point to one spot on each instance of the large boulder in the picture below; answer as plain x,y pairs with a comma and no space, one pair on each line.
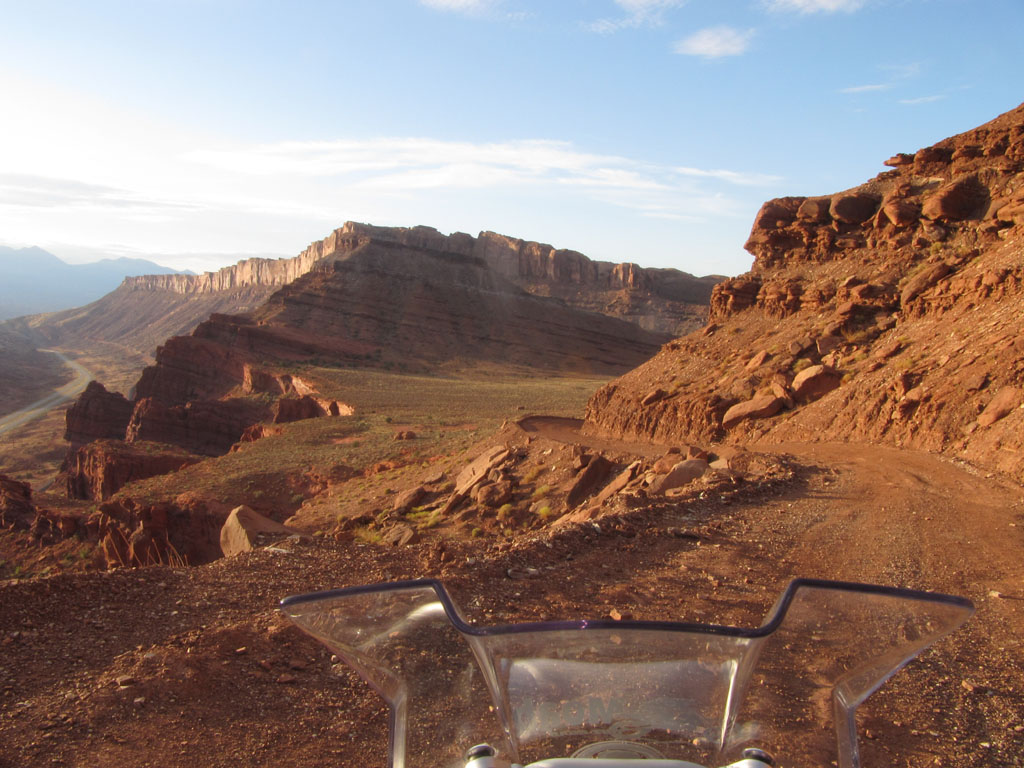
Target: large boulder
854,207
589,480
682,473
757,408
815,382
1003,404
246,529
960,200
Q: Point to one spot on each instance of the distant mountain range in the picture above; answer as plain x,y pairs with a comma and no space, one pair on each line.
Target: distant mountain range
33,280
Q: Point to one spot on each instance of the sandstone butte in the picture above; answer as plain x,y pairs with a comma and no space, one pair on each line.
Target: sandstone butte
892,312
145,311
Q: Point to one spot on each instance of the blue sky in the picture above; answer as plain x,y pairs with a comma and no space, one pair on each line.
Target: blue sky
197,132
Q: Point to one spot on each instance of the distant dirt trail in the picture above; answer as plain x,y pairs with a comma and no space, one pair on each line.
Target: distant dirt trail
58,397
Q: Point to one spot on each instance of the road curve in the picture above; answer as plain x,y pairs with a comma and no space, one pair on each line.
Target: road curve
59,396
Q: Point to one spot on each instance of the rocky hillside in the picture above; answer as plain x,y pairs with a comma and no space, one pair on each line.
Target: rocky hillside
145,311
891,312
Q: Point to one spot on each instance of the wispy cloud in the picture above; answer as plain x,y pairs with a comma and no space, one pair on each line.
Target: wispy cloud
412,165
866,88
895,74
732,177
460,6
30,191
815,6
638,13
715,42
923,99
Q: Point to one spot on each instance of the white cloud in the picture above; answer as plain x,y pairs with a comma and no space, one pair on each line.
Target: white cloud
639,13
715,42
739,178
459,6
866,88
21,190
923,99
815,6
408,166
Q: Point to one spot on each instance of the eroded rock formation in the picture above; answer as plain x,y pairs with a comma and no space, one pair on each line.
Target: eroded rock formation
891,312
98,470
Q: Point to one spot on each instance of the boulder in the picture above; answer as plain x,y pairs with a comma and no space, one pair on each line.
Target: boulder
682,473
406,500
960,200
478,469
924,280
815,210
932,156
589,480
1004,403
776,213
758,360
399,535
653,397
756,408
854,207
902,213
494,494
815,382
246,529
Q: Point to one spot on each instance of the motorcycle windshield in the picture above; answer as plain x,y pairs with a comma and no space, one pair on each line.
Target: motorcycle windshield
694,692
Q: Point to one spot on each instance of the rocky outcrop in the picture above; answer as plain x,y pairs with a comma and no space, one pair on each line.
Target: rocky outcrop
16,507
184,531
205,427
891,312
97,415
307,407
98,470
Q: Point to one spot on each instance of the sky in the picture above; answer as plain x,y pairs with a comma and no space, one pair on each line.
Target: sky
199,132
